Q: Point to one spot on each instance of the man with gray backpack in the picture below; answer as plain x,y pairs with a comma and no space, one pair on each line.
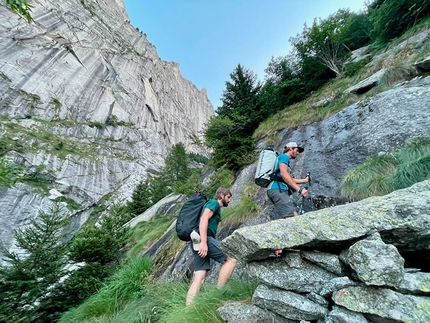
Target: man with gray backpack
284,184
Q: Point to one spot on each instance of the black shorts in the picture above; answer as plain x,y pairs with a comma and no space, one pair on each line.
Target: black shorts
214,252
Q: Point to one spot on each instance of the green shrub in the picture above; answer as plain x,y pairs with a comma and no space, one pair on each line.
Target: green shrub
103,240
352,68
22,7
114,121
198,158
71,204
9,172
59,146
391,18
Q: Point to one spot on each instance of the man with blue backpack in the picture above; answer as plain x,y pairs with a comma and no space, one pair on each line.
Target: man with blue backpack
205,246
284,184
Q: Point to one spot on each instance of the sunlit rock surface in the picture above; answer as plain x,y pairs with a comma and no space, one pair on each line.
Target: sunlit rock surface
87,106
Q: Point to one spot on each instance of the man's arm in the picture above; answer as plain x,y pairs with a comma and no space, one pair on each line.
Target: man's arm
203,231
293,182
301,180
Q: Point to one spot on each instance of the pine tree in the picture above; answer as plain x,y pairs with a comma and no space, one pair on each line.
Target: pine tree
176,164
229,134
140,199
27,278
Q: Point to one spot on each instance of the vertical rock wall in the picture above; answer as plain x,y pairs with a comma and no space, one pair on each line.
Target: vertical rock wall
87,107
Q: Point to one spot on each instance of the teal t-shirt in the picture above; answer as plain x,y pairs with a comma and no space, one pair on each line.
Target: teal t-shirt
275,185
216,217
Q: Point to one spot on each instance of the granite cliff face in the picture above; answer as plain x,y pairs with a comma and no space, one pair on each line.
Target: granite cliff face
87,107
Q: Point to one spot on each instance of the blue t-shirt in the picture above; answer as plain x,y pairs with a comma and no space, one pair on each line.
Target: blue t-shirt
284,159
216,217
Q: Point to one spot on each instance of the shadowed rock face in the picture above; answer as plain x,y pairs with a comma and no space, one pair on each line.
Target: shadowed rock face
89,106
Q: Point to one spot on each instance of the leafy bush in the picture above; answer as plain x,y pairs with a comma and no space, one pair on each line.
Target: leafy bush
22,7
114,121
9,172
391,18
198,158
352,68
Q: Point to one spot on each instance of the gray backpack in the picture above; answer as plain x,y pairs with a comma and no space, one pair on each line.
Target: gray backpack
266,167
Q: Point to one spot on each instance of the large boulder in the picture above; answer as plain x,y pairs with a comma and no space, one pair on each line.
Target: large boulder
384,305
402,219
292,273
287,304
345,263
374,262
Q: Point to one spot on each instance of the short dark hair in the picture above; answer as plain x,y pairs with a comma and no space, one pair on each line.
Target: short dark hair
222,191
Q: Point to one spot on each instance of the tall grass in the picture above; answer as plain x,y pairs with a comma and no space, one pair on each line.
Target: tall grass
246,209
120,289
161,302
389,172
206,302
148,232
164,302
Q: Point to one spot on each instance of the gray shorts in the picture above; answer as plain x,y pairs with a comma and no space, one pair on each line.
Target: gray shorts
214,252
284,204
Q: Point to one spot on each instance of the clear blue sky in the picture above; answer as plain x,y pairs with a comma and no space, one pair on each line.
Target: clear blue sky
209,38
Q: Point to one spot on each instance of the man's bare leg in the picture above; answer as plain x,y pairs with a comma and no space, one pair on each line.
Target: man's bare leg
225,271
198,280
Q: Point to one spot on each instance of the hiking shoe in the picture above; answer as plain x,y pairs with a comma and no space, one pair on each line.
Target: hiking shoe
278,253
195,239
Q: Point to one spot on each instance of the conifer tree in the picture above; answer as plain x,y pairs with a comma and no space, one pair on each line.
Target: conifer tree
176,164
229,133
28,277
